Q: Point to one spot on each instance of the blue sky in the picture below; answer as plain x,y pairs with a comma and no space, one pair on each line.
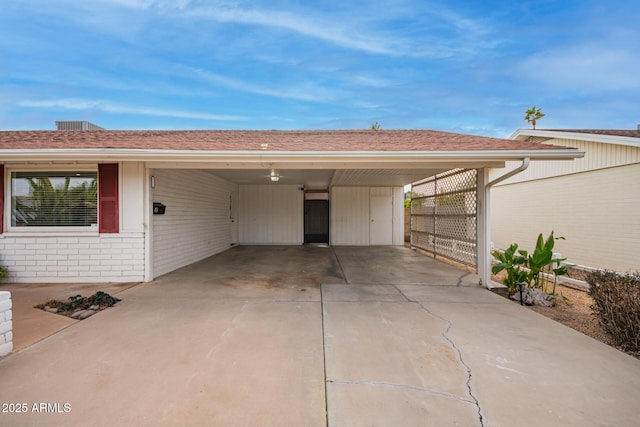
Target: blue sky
461,66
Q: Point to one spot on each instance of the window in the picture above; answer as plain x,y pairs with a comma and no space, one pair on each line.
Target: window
54,199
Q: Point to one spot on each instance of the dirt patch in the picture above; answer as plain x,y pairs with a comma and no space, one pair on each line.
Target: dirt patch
573,309
78,304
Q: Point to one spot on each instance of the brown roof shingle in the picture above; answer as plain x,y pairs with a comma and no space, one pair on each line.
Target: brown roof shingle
248,140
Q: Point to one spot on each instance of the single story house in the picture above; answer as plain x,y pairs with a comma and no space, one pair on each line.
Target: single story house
594,202
101,205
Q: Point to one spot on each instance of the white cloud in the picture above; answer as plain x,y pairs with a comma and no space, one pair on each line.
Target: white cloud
372,30
304,92
588,68
109,107
316,27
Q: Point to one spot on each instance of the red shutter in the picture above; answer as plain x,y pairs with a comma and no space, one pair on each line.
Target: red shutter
1,199
108,198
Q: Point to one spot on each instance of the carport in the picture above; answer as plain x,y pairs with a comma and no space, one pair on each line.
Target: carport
332,187
167,199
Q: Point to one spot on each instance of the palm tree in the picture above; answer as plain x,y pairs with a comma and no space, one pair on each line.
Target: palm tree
67,204
532,115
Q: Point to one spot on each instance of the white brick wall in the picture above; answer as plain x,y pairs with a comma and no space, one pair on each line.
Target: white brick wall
53,258
6,336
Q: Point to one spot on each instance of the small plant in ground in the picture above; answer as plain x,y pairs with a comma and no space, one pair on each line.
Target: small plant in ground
4,273
512,261
616,303
541,263
74,302
102,299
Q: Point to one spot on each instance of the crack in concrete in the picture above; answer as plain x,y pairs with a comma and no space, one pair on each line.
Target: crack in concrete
403,386
453,345
462,277
344,275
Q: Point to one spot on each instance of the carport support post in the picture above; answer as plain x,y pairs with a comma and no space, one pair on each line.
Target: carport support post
483,209
483,238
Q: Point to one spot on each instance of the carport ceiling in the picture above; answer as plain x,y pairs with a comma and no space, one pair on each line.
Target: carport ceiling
324,178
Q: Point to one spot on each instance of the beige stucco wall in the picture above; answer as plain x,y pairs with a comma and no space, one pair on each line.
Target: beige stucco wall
597,211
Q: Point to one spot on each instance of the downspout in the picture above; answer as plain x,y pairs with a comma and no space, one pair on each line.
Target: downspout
522,167
486,273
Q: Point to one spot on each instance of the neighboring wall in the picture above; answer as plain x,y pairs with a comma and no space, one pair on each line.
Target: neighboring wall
42,256
594,203
196,223
597,156
271,215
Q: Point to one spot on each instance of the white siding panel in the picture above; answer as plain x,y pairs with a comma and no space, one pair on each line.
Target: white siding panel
270,215
197,221
597,156
598,212
350,215
381,191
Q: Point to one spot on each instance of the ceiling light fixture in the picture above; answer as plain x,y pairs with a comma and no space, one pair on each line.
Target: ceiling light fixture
274,175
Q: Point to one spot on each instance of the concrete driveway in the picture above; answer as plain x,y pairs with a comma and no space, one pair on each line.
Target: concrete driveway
312,336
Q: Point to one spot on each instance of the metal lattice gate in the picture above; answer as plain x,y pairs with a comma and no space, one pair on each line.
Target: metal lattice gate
443,215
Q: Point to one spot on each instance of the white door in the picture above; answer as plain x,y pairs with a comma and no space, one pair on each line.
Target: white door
381,220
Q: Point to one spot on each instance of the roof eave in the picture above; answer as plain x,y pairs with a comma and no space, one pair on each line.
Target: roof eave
581,136
204,155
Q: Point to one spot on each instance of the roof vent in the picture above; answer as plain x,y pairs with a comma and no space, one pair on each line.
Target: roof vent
77,125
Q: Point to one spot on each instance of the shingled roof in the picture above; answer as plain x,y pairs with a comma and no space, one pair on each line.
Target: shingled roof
250,140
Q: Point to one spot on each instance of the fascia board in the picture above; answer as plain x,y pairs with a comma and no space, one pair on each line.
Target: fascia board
283,156
591,137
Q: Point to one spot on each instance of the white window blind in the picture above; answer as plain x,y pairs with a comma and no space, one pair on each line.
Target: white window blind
54,199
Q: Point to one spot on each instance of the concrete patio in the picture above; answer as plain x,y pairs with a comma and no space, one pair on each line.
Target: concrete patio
315,336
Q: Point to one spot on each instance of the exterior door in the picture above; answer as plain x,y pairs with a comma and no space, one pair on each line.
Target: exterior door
316,221
381,220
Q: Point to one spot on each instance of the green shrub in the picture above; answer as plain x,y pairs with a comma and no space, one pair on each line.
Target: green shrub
616,302
4,273
513,261
534,269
